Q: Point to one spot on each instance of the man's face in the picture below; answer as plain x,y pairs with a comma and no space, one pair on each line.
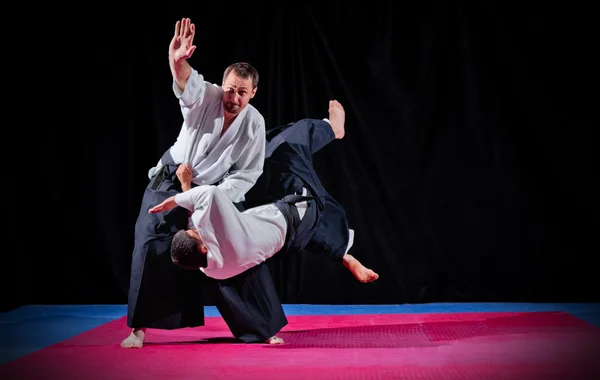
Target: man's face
237,93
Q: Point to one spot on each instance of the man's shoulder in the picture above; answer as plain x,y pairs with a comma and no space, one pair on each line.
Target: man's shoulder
214,89
253,111
254,116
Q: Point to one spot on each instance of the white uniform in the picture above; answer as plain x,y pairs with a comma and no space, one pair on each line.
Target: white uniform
240,151
236,241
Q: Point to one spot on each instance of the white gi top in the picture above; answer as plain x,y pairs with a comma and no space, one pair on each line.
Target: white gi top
236,241
240,151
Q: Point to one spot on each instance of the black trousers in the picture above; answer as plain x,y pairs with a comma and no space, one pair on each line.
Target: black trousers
161,295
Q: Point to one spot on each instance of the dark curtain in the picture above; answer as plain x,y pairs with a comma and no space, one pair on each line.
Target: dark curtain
467,168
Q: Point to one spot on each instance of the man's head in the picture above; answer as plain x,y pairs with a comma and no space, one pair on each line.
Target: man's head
188,250
240,81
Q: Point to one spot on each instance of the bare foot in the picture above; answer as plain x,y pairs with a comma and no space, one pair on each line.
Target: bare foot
362,273
135,339
274,340
337,118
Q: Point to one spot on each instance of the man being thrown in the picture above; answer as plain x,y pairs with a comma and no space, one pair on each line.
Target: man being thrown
226,242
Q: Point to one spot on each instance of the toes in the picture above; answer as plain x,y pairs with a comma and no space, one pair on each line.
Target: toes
275,340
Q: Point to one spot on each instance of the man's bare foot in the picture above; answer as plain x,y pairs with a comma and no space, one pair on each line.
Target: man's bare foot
362,273
274,340
337,118
135,339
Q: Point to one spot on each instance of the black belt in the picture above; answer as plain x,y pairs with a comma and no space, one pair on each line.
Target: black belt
292,199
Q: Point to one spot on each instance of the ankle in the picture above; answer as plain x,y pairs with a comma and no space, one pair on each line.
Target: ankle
348,260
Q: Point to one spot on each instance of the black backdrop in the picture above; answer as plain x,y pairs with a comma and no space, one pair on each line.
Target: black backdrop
466,170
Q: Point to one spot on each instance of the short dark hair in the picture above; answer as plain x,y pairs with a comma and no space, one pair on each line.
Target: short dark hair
185,252
243,70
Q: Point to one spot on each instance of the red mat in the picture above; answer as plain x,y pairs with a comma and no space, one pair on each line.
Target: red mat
523,346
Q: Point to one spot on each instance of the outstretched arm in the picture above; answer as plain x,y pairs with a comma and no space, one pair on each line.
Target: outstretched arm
184,173
165,205
191,199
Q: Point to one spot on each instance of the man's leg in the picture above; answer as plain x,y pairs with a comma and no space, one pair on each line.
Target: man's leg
292,146
332,234
314,134
161,295
319,133
250,306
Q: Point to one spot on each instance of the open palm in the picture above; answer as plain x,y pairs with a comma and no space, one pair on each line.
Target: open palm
166,205
182,46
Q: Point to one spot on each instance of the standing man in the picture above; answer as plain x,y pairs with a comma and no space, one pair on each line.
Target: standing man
222,144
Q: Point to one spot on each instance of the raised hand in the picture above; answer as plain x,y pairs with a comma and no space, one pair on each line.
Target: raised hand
182,46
